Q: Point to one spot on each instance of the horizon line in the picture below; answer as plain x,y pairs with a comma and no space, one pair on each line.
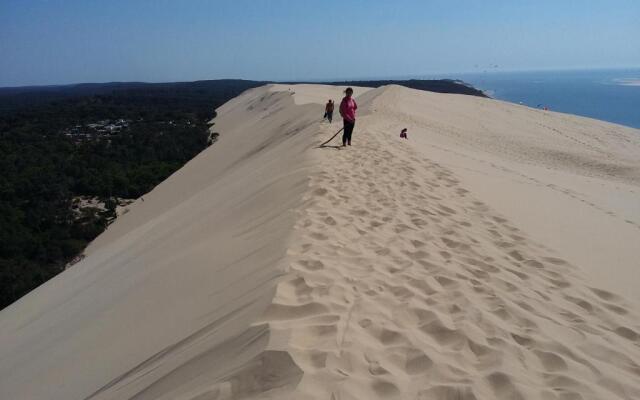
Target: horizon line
419,76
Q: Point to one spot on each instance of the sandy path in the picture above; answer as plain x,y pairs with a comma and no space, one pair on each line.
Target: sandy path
403,285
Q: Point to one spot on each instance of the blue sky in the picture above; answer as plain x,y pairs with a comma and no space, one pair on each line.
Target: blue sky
56,42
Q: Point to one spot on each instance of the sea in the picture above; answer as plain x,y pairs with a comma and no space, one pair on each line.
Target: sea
611,95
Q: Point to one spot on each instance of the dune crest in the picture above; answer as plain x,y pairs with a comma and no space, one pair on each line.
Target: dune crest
268,268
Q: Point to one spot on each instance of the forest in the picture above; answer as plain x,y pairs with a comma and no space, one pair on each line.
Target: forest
54,150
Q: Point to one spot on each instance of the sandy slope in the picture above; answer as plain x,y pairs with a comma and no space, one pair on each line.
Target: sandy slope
173,285
572,183
269,268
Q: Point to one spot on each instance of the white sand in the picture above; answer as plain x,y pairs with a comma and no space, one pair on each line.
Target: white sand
468,262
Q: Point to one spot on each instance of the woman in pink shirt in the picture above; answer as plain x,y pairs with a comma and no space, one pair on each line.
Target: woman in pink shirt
348,109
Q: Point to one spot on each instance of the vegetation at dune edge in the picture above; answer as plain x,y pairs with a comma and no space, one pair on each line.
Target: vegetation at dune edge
69,161
431,85
70,155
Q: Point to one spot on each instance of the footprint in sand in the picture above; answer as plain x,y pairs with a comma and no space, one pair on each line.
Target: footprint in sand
311,265
319,236
330,221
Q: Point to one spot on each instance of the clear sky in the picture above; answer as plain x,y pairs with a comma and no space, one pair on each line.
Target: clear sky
56,41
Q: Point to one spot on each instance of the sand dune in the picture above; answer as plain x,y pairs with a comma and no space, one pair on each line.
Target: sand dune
490,256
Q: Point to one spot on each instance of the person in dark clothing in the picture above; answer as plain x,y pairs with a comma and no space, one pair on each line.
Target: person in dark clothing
348,109
328,111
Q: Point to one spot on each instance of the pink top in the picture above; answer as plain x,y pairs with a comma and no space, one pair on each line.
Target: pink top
348,108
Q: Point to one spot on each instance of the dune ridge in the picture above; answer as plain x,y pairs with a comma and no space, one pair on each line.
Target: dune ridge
403,285
269,268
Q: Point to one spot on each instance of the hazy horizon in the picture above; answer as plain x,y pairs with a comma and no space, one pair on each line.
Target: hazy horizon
435,75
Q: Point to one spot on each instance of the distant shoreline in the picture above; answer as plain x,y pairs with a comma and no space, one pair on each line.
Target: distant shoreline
607,95
628,82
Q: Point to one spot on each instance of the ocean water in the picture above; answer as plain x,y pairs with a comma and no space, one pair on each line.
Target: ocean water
609,95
